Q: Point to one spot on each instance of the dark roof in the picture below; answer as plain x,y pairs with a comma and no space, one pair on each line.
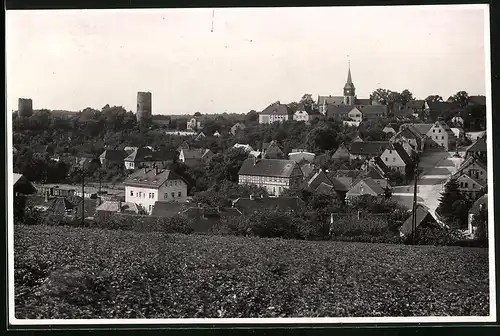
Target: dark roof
166,209
273,151
368,147
477,100
23,185
330,100
349,84
323,188
317,179
416,104
363,101
196,153
469,161
150,179
422,216
140,155
373,109
483,200
307,169
381,165
277,109
275,168
113,155
370,183
347,173
420,129
341,153
247,205
60,205
478,146
373,173
402,153
339,109
165,155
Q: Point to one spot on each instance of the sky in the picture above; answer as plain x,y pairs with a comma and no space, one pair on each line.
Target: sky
70,60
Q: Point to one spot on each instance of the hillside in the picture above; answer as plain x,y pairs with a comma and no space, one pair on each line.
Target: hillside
64,272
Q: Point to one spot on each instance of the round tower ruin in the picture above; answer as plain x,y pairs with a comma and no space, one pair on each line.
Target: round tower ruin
25,107
144,103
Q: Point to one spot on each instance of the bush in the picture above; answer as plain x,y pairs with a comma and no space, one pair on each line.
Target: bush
175,224
351,226
436,236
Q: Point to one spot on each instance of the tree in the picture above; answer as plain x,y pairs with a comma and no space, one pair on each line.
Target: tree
480,222
293,106
197,114
406,96
322,138
308,102
381,96
450,195
251,117
461,98
434,98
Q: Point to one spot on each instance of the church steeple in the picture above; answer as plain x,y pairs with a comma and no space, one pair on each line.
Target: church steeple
349,89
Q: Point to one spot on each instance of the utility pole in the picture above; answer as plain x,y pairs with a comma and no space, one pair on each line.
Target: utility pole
414,212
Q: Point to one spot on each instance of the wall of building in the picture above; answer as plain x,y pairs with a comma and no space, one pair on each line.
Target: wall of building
144,106
147,197
25,107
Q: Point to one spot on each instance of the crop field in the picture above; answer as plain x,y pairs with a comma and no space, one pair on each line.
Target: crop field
63,272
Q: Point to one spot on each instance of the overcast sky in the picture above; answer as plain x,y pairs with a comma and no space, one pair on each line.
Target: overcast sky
89,58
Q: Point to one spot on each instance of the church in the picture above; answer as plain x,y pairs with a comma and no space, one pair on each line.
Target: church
349,106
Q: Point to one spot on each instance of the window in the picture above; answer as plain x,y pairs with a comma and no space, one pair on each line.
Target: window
473,185
439,131
150,208
179,194
442,138
386,159
165,196
393,159
131,193
140,193
466,185
433,131
390,151
173,194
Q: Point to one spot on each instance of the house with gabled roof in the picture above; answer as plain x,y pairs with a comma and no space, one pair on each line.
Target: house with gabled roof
273,151
200,136
274,175
370,169
322,183
345,176
306,115
252,204
365,186
363,150
390,129
237,127
147,186
216,134
183,145
342,153
338,112
22,186
372,112
435,110
275,112
112,156
477,149
307,169
195,156
396,158
473,167
379,166
245,147
301,156
470,185
117,207
442,136
424,219
146,157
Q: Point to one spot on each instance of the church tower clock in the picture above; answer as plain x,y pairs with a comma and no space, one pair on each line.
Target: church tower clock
349,90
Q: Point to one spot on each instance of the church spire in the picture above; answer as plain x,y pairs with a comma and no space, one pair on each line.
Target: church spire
349,89
349,84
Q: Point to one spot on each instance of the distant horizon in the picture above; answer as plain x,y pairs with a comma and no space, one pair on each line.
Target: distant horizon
70,60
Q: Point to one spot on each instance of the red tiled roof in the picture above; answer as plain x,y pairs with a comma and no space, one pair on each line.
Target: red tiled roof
274,168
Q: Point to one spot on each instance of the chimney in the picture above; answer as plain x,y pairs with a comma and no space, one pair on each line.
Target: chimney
331,218
47,196
254,160
156,171
145,170
119,206
252,197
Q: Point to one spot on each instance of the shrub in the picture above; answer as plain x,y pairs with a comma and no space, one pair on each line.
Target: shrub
175,224
351,226
436,236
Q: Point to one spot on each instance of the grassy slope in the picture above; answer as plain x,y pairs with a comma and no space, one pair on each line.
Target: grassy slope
160,276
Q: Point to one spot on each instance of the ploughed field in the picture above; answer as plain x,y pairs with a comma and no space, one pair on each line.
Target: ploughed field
65,272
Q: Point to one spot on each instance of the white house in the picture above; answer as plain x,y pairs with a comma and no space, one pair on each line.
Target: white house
275,112
396,158
147,186
237,127
355,115
245,147
306,116
470,185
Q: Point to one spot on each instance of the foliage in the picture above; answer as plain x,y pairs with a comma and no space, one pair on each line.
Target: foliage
453,205
434,98
63,273
461,98
221,194
436,236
